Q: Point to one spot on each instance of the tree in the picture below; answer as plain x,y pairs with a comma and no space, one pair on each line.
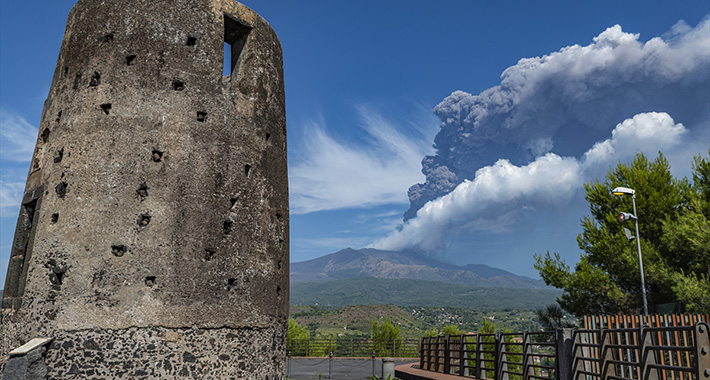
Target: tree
296,331
552,317
674,227
451,330
386,336
297,338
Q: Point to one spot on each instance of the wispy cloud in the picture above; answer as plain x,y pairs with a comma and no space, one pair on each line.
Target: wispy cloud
330,173
18,137
10,197
491,200
17,143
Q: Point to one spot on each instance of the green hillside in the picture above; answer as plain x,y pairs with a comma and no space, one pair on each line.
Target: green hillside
356,321
405,292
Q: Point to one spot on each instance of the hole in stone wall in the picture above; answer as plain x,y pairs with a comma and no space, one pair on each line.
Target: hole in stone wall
278,265
247,169
157,155
278,291
227,227
59,116
108,37
191,41
95,79
209,254
144,220
142,190
30,208
119,250
278,215
56,274
178,85
281,242
61,189
66,71
56,278
231,284
58,157
77,80
235,37
268,136
55,218
233,201
106,107
45,135
149,281
201,116
129,59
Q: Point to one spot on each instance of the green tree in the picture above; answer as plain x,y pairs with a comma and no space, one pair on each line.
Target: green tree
675,239
297,338
296,331
386,336
451,330
552,317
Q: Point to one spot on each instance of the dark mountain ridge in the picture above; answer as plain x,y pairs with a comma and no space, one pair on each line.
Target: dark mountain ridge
350,264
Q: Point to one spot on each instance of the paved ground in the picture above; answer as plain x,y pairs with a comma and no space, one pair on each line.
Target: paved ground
341,369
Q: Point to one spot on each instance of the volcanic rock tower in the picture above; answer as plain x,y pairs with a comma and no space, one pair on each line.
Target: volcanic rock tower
152,240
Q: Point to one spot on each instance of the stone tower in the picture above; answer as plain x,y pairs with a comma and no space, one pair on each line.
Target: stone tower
152,240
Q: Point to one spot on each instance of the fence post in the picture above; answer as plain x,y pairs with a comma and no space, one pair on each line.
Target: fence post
606,368
462,361
288,363
477,370
330,364
565,352
496,357
373,363
503,372
648,356
447,354
421,357
528,369
702,351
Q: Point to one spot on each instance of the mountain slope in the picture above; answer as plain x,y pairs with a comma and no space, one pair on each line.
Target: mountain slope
406,292
351,264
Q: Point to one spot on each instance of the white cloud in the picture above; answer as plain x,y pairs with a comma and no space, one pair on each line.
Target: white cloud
644,132
497,193
565,101
10,197
18,137
332,174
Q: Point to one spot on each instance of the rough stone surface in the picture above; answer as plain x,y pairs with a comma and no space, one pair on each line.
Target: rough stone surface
30,366
157,199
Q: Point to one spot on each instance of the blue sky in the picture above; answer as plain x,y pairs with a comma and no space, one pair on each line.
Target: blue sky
363,79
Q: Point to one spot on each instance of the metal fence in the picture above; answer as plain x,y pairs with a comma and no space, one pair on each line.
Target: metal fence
643,353
353,348
506,356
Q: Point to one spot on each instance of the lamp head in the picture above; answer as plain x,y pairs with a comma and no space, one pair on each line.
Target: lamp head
624,216
623,191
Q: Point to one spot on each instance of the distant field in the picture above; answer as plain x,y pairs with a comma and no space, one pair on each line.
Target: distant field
405,292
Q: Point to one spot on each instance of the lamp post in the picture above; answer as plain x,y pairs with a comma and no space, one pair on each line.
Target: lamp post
621,191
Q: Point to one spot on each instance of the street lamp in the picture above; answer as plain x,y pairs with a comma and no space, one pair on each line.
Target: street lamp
621,191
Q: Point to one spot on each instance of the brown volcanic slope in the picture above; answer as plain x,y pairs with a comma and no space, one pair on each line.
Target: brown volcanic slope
349,263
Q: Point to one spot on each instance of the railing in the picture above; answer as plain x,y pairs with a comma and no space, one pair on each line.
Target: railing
492,356
345,348
643,353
